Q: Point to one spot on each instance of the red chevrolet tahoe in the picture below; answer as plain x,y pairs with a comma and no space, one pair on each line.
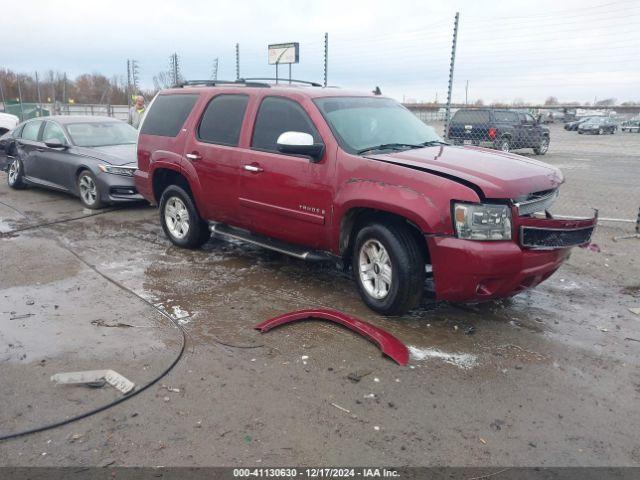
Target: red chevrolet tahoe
322,173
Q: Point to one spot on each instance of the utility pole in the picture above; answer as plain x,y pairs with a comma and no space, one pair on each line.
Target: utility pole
174,69
39,97
20,98
134,76
237,61
4,105
447,115
326,57
128,88
466,93
64,88
214,75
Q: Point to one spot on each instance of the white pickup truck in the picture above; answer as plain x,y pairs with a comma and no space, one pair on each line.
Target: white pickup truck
7,122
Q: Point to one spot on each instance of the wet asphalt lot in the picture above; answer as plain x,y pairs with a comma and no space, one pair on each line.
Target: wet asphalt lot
549,377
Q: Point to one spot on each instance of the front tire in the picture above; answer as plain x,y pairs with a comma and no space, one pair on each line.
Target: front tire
180,220
15,177
90,194
389,268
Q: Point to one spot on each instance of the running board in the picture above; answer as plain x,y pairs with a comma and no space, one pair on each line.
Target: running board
296,251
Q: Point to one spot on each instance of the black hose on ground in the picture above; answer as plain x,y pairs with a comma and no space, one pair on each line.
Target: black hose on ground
135,392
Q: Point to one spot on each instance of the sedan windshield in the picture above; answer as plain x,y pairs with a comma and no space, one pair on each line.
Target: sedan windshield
102,134
363,124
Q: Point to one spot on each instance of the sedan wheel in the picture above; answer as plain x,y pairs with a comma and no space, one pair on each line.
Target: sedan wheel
14,179
89,191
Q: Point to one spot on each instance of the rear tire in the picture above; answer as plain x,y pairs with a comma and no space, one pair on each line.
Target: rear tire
15,177
542,147
389,268
504,145
180,219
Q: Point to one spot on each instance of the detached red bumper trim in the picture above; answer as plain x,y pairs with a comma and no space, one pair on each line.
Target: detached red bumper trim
390,345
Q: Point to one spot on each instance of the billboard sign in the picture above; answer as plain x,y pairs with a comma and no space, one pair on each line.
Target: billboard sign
281,53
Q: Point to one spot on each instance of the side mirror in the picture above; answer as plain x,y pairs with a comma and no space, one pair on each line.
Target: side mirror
55,143
300,143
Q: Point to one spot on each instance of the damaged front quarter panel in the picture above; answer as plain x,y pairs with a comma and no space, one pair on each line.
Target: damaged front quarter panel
390,345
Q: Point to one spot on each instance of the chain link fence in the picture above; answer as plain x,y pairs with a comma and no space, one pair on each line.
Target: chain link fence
598,151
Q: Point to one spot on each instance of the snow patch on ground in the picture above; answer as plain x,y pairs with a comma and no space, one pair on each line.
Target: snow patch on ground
464,361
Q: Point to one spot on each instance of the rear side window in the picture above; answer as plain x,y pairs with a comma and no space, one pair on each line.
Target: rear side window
222,120
507,117
30,130
168,114
276,116
471,116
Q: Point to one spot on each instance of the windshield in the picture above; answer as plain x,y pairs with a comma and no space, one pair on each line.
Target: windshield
364,123
102,134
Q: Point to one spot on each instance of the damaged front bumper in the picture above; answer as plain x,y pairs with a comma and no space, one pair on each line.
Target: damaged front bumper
476,271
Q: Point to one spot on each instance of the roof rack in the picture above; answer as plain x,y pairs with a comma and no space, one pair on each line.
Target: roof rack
283,80
215,83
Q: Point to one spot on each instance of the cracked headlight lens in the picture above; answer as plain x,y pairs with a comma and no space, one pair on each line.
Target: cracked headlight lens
482,221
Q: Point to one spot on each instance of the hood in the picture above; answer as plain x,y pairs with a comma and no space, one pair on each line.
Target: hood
112,154
496,174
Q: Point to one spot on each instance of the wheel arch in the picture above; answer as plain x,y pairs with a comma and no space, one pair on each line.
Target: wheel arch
356,218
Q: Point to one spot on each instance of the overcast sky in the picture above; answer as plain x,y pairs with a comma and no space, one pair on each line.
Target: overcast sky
574,49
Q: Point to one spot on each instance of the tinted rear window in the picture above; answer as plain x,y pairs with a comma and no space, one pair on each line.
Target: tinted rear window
167,114
222,120
508,117
471,116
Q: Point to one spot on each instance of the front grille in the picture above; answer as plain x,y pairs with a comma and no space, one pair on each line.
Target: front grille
548,238
537,202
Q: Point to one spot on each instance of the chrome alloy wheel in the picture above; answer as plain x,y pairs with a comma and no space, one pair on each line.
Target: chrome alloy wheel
176,217
376,273
14,171
88,190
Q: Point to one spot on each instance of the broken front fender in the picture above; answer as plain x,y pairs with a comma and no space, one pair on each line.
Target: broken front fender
390,345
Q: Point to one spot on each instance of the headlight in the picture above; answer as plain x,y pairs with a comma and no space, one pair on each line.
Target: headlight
482,221
116,170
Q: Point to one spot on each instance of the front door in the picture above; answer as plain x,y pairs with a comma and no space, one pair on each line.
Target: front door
212,150
282,196
56,164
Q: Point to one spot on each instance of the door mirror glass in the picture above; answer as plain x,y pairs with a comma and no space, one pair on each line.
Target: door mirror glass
55,143
300,143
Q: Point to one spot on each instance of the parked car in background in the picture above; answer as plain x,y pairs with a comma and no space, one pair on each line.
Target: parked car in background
632,125
598,126
90,157
7,122
573,125
500,129
5,139
357,179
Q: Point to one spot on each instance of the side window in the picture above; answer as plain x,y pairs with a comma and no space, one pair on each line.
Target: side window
30,130
53,131
222,120
522,117
167,114
17,132
276,116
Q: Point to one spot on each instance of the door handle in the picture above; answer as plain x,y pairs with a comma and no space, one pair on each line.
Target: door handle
40,149
193,156
253,168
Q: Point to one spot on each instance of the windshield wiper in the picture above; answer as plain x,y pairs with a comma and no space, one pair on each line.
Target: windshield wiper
431,143
389,146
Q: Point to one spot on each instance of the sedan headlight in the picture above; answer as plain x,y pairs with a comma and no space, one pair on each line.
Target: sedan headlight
482,221
118,170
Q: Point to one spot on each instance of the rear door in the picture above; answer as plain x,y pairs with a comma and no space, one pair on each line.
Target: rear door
287,197
212,150
28,147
